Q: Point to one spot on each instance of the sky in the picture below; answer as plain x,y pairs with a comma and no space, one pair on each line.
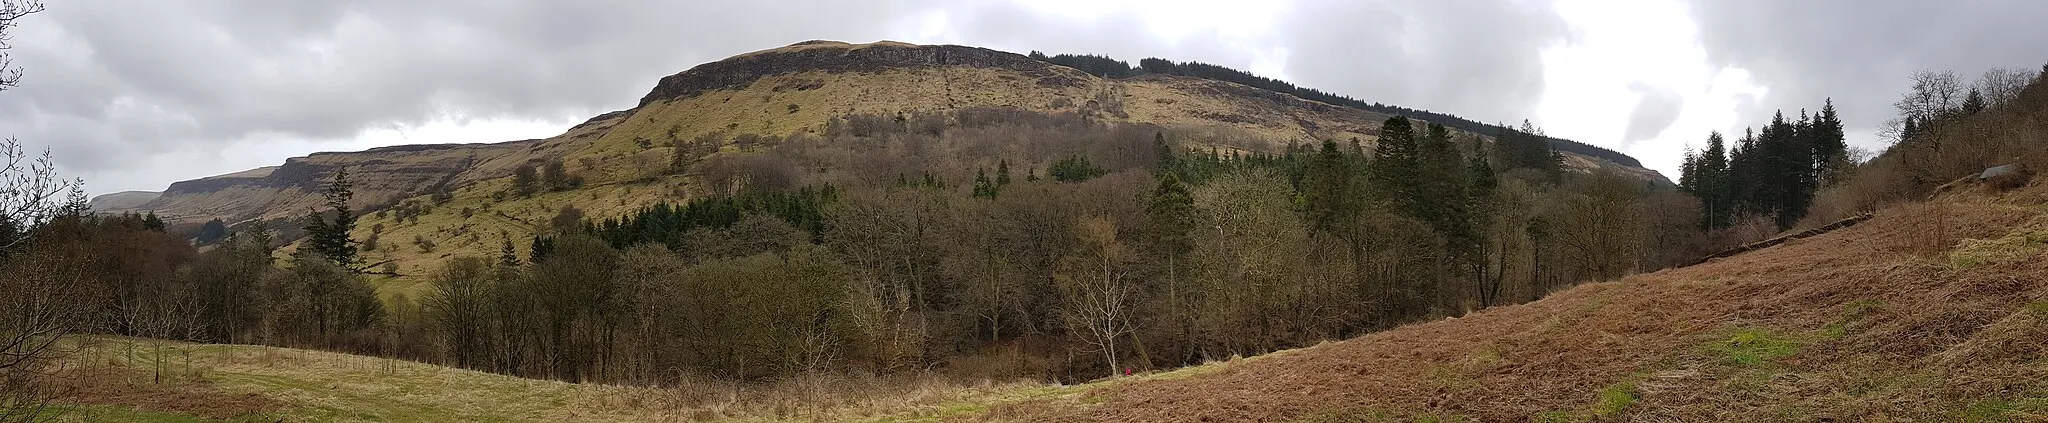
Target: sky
135,94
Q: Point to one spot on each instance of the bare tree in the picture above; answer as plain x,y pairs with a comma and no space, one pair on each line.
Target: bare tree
2001,85
1096,288
1935,95
10,11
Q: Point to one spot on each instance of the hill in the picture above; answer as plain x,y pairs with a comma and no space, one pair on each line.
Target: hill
122,201
747,103
1928,312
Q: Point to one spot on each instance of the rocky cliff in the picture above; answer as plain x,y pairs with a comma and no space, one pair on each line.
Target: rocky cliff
381,176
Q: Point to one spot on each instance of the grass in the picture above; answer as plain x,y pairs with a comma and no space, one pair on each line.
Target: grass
101,413
1615,399
2024,243
273,384
1753,347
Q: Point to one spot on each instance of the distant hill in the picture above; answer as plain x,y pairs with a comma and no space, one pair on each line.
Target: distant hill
124,201
455,193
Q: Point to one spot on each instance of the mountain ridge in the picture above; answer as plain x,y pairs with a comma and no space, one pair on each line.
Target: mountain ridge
795,89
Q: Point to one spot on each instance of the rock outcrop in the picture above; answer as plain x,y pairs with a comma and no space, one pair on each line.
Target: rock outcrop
837,57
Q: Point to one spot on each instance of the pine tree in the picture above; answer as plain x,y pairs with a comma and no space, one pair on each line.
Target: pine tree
330,238
1328,191
508,256
1830,149
1713,190
1973,103
153,223
1164,153
1002,173
1395,163
1172,216
983,187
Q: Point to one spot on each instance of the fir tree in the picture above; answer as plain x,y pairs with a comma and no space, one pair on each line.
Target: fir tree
1395,161
153,223
330,238
983,187
1002,173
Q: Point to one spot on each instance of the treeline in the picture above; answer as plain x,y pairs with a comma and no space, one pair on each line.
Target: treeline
1947,130
1106,67
1140,248
1773,173
1153,254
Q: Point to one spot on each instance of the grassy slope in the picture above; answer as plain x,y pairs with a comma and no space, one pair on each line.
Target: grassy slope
623,176
115,379
1931,312
237,382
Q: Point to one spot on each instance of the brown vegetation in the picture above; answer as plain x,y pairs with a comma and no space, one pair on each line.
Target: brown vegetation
1888,320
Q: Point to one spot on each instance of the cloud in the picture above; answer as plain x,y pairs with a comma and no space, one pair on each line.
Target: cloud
132,95
1656,109
1477,59
1861,52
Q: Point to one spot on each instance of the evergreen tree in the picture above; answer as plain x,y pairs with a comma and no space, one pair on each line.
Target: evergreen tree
330,238
211,232
983,187
508,256
1164,153
1444,199
1830,149
1395,163
1973,103
1713,190
1002,173
1172,217
153,223
1075,169
1329,192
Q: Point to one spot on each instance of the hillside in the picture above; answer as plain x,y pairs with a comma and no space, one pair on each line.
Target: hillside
1927,312
746,103
122,201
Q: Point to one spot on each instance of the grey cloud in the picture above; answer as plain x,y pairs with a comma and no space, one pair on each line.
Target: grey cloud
113,85
1861,52
1480,59
1655,111
124,88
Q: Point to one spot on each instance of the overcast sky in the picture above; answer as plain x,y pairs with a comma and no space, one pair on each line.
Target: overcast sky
135,94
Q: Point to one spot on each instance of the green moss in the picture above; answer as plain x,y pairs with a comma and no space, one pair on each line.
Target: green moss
1615,399
1555,417
2021,244
1753,346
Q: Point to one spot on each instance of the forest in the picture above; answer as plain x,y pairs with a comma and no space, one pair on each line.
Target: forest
990,243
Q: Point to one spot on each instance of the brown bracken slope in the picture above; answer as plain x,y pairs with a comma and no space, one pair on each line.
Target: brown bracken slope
1928,312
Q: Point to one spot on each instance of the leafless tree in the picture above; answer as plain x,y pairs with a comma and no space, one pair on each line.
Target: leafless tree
2002,85
1096,289
10,11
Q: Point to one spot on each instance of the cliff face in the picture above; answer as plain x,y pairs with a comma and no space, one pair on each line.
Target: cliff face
380,175
833,57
